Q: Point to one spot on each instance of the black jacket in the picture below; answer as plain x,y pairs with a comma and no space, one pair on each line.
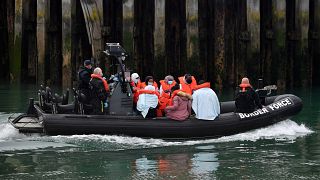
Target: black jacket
84,76
98,95
247,101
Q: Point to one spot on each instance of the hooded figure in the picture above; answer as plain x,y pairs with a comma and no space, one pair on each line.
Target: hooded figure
148,100
205,102
181,105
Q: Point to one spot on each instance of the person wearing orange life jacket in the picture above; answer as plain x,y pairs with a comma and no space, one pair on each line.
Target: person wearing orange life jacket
148,101
136,86
99,89
149,81
165,90
167,84
205,102
247,99
187,83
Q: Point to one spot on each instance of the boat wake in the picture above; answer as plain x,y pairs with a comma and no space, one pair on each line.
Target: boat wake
283,131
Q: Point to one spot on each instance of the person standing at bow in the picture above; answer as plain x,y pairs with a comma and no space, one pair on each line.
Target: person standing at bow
84,76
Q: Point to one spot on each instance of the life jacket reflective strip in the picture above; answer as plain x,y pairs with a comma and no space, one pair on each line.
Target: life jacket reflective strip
105,84
143,85
204,85
187,88
244,86
165,86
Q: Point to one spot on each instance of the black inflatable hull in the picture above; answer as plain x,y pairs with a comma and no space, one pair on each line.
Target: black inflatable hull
230,123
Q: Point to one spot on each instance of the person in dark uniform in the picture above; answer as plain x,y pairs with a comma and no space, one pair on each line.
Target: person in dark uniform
99,89
247,99
84,76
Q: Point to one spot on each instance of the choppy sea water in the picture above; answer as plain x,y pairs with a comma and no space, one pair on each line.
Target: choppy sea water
287,150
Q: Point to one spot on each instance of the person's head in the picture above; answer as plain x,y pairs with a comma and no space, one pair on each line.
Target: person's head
188,78
169,79
149,80
97,71
87,63
201,82
135,77
175,87
245,80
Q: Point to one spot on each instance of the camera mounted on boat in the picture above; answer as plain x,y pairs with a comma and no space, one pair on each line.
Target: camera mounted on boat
121,99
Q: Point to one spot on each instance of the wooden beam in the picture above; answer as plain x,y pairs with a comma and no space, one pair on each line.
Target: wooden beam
314,40
80,46
29,39
4,54
112,30
53,43
175,37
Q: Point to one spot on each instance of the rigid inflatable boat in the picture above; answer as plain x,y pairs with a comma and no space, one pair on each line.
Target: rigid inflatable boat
52,115
277,108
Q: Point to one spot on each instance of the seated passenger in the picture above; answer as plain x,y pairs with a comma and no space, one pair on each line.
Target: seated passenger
246,99
99,89
136,86
149,81
205,102
167,84
187,83
181,104
148,101
165,90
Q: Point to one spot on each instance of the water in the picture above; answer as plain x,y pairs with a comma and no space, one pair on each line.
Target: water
287,150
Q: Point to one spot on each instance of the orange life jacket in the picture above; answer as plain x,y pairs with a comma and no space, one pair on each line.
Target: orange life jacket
244,86
136,88
204,85
143,85
188,88
165,86
105,84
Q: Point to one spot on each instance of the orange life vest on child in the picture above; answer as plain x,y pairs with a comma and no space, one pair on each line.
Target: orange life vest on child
188,88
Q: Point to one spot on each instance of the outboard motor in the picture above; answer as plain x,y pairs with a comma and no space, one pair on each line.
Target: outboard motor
121,100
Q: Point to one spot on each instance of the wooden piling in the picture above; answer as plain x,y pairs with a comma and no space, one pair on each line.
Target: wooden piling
80,46
29,39
11,21
175,37
143,38
242,37
4,55
112,30
53,43
279,43
266,38
230,79
314,40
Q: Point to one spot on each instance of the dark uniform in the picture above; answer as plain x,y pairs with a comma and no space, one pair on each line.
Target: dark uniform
84,76
247,99
98,95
